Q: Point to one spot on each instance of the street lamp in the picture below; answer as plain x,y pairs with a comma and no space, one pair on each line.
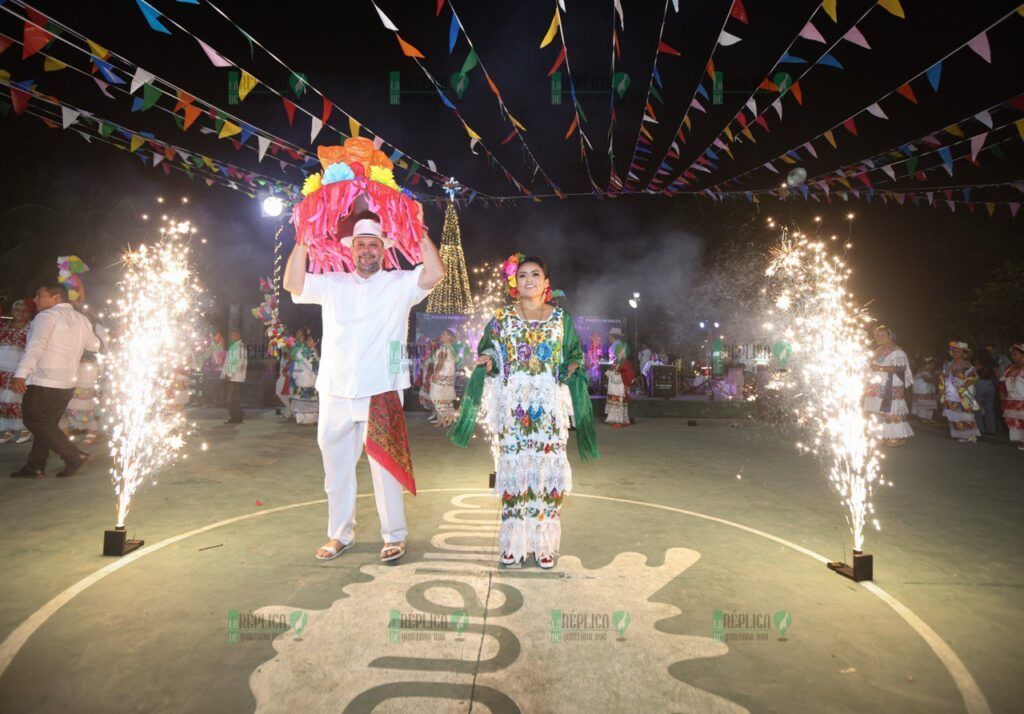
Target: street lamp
272,206
849,233
634,302
707,326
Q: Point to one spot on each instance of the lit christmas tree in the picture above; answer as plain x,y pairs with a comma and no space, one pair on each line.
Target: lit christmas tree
451,296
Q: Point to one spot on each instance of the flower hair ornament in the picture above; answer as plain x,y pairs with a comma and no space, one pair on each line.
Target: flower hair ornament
510,268
357,176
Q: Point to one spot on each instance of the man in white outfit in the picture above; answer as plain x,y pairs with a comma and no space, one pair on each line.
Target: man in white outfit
361,380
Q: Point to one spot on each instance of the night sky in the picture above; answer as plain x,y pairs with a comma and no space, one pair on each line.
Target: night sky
916,266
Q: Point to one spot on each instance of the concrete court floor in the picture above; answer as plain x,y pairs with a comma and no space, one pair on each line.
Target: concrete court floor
154,635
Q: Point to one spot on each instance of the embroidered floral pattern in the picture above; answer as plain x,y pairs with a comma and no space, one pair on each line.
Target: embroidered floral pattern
533,473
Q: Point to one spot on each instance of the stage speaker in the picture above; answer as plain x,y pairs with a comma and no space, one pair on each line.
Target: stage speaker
663,380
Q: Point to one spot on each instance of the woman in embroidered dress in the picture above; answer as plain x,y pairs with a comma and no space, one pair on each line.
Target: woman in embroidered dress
595,353
926,400
620,379
958,379
528,350
13,336
442,380
886,394
1011,387
305,365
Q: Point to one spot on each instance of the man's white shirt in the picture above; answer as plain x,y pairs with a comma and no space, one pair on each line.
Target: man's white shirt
57,337
366,322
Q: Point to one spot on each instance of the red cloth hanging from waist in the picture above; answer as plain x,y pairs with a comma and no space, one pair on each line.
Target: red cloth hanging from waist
387,439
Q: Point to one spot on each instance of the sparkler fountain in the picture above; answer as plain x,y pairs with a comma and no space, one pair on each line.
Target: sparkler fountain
829,367
155,325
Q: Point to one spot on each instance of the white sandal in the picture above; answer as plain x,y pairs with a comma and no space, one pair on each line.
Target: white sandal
25,436
545,561
399,546
334,552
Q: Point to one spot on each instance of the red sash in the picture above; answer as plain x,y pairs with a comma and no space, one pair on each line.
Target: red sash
387,439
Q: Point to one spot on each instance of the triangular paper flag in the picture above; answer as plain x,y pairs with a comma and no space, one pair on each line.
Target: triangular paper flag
212,54
245,85
315,126
262,143
136,142
738,12
140,78
229,129
976,143
985,118
856,37
894,7
980,45
664,48
550,34
353,127
152,17
53,65
810,32
385,19
35,37
727,39
192,113
876,110
407,49
68,116
934,73
907,91
830,9
289,109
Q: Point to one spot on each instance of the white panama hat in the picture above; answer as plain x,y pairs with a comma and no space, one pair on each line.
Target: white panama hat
367,228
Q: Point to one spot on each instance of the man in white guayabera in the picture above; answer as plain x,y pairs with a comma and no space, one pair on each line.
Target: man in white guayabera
365,317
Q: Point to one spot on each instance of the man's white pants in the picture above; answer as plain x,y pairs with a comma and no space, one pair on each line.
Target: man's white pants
341,433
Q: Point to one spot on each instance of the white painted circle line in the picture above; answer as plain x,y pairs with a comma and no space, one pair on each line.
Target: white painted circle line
974,699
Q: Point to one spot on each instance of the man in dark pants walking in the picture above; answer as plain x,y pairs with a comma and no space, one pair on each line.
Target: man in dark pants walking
46,375
233,374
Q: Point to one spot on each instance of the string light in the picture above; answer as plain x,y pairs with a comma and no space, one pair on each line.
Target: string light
452,295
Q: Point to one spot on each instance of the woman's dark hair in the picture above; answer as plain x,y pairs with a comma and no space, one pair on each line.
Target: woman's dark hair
537,261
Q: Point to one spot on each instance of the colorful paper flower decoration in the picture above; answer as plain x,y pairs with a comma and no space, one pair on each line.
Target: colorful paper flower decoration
68,268
338,172
357,176
384,176
311,184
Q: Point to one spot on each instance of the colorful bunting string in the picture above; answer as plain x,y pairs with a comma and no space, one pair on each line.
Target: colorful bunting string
164,153
517,128
577,123
746,126
630,176
849,123
398,155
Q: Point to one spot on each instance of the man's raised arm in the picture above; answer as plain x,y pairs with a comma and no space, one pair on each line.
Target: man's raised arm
433,268
295,270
